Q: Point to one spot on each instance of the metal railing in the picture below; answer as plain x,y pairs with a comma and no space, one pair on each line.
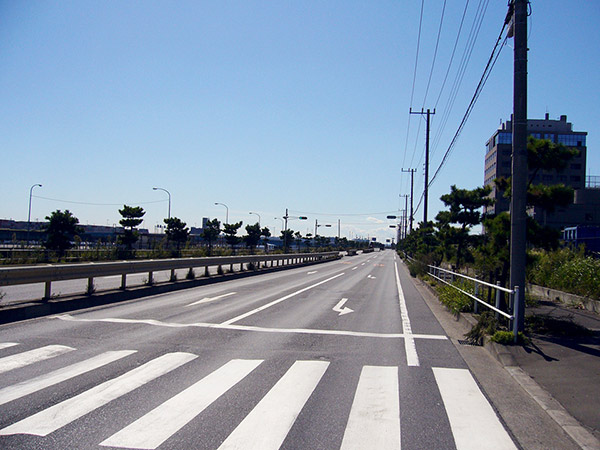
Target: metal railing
441,274
18,275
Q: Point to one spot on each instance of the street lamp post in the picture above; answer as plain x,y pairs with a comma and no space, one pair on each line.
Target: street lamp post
168,193
257,215
29,214
226,211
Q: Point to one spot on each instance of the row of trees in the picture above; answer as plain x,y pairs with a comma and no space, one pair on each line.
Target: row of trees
62,229
448,238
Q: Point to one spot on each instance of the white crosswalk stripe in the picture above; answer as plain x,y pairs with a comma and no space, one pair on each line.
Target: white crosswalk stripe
57,416
269,422
32,356
24,388
374,420
161,423
473,421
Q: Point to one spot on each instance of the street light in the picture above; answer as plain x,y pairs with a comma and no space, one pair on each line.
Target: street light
257,215
226,212
29,214
168,193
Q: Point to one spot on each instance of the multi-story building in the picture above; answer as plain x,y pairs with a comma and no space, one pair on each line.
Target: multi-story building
498,164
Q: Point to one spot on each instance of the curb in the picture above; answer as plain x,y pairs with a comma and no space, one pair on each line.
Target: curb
576,431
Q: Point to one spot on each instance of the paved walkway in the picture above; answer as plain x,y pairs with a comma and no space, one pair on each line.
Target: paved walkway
568,368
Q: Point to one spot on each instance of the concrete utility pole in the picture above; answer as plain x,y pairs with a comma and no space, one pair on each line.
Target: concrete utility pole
518,216
412,180
426,189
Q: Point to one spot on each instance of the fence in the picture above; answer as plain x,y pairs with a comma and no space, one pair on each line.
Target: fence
49,273
444,275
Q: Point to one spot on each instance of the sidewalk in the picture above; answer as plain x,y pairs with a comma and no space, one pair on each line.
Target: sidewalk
568,368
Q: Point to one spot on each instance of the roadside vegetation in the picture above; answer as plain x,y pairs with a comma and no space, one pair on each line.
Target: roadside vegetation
448,242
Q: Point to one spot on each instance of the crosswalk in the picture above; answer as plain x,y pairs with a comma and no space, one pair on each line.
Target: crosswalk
374,420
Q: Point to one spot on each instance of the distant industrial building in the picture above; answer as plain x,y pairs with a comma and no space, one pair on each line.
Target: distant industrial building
585,209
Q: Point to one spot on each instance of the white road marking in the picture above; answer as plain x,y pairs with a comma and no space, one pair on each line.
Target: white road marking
269,422
473,421
354,268
363,264
158,323
311,272
268,305
211,299
374,420
29,357
341,309
24,388
409,343
7,344
59,415
371,277
158,425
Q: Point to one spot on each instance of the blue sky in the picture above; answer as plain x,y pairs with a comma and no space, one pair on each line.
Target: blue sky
266,105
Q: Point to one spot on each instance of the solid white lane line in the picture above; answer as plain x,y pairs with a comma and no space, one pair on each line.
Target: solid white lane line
211,299
29,357
158,425
158,323
59,415
474,423
409,343
7,344
274,302
374,420
268,424
58,376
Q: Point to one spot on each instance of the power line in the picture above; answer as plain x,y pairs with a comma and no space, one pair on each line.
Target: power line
484,77
98,204
437,42
412,93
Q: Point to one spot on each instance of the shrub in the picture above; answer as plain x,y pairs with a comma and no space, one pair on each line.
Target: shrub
486,325
508,338
568,271
454,300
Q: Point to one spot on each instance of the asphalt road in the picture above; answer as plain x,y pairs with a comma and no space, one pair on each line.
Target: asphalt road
338,355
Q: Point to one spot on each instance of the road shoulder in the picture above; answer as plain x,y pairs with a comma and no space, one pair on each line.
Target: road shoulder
530,425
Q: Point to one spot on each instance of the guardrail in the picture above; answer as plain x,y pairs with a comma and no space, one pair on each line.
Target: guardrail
441,274
49,273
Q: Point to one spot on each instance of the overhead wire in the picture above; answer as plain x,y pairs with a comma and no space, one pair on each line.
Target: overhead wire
412,93
484,77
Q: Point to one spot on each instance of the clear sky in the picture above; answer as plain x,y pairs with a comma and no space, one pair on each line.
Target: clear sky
268,105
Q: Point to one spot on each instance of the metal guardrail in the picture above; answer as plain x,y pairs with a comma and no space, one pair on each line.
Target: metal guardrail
17,275
441,274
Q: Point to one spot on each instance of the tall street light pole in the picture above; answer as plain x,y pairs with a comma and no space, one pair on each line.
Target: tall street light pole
168,193
29,214
257,215
226,211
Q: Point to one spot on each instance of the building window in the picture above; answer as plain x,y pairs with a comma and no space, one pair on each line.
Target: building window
571,140
504,138
550,137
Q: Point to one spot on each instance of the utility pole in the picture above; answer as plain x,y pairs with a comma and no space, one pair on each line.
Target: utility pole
412,180
405,214
426,189
518,214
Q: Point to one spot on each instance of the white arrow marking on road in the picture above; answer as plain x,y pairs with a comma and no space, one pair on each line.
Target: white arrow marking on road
341,308
211,299
371,277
